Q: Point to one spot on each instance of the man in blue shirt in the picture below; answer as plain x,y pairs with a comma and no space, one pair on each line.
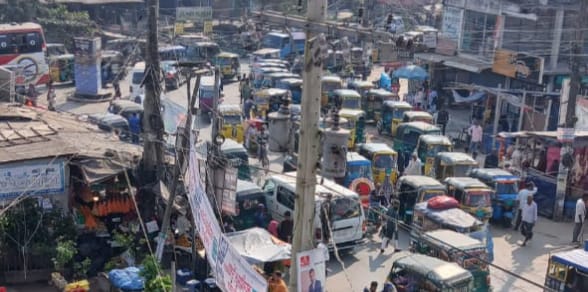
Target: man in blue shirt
135,127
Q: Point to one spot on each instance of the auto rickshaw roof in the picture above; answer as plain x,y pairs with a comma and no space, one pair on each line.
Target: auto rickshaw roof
232,146
416,114
229,108
266,51
283,75
271,69
454,240
247,187
361,84
456,157
351,113
377,147
433,267
227,55
278,34
577,258
435,139
452,218
465,182
397,104
170,48
494,173
331,79
63,57
326,186
271,92
347,93
107,119
275,61
356,157
422,126
419,181
382,92
127,105
356,49
292,81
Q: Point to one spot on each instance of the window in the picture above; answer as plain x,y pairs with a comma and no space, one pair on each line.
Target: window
351,103
345,208
21,43
411,137
232,119
286,197
138,77
269,186
384,161
478,199
507,188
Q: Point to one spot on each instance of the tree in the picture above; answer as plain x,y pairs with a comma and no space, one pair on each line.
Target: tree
19,10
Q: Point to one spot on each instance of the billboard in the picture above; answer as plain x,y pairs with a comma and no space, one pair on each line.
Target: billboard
194,14
519,66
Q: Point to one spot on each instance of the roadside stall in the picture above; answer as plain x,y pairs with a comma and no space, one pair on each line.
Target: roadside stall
261,249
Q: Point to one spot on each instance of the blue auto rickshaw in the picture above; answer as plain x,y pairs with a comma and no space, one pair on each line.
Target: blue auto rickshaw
506,188
358,174
295,87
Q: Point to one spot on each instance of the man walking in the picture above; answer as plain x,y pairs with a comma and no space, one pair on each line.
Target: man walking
522,199
389,230
579,217
285,228
476,132
135,127
442,119
529,215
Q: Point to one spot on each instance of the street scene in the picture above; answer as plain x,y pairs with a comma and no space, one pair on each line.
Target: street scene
299,146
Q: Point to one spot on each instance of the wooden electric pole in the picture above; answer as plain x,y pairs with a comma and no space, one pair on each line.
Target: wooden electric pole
308,152
577,61
153,143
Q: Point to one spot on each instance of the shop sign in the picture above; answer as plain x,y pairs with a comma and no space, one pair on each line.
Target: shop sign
41,179
207,27
194,14
452,22
231,271
179,28
519,66
226,189
311,270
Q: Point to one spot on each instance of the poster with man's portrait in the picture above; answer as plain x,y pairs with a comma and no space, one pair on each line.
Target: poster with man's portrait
311,271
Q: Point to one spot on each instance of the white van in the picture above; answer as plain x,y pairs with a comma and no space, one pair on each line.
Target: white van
347,218
137,75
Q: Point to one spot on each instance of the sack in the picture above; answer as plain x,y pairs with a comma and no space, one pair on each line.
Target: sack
126,279
442,203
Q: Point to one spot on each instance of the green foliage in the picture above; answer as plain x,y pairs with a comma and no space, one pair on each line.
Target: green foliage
81,269
159,284
65,252
150,269
19,10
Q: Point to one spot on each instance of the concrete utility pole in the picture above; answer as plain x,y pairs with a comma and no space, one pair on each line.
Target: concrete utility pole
570,119
308,152
153,129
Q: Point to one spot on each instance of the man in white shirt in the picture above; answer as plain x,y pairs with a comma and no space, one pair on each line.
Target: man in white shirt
414,167
476,132
529,215
579,217
531,190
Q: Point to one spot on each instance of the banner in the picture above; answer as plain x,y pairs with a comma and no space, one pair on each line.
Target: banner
194,14
231,270
312,271
36,179
581,113
518,65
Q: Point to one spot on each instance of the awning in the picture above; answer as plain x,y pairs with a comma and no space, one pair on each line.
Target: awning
431,57
470,65
96,170
257,246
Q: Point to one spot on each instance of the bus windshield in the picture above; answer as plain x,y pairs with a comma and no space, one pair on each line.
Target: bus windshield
21,43
345,208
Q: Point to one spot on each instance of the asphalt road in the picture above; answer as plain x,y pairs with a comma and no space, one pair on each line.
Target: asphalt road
366,264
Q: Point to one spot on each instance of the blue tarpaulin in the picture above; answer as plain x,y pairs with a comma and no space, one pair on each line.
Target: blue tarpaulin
385,81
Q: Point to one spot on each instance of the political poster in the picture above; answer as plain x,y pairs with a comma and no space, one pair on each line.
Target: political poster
311,267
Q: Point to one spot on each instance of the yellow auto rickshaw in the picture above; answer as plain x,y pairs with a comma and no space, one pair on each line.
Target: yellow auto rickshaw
230,65
361,86
392,114
473,196
355,124
417,116
349,98
372,102
232,122
449,164
268,100
383,159
328,85
428,146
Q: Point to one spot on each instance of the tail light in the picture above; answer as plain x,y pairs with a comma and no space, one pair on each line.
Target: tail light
318,233
364,226
170,75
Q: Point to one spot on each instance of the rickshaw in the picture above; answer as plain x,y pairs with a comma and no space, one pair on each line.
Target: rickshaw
428,219
448,164
268,100
428,146
335,62
350,99
448,245
567,270
265,53
506,189
413,189
259,74
328,85
418,272
271,80
295,87
356,125
372,102
61,68
361,86
125,108
358,176
417,116
232,121
392,113
407,137
383,160
230,65
238,158
249,196
473,196
110,122
358,63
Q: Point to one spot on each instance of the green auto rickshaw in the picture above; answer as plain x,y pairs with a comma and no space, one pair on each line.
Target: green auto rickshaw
427,148
448,164
61,68
407,137
392,114
238,158
271,80
361,86
356,125
249,196
413,189
373,101
349,98
229,64
329,84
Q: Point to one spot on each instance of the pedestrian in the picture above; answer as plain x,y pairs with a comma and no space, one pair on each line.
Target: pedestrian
476,133
116,85
373,287
491,160
530,190
276,283
247,107
272,227
433,100
261,217
32,95
415,166
389,231
389,287
285,228
442,118
135,127
579,217
50,96
529,216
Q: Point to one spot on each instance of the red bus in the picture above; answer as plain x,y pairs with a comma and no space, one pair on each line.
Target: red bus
23,50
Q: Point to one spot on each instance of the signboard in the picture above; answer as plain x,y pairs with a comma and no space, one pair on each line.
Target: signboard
179,28
231,271
563,101
430,39
452,22
311,270
581,113
226,191
193,14
520,66
446,46
41,179
565,135
87,50
207,27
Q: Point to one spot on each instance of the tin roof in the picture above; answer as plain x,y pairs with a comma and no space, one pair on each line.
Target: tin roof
435,139
454,240
456,157
465,182
395,103
347,92
433,267
419,180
